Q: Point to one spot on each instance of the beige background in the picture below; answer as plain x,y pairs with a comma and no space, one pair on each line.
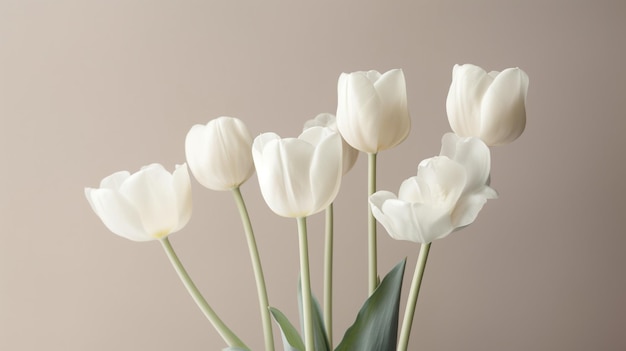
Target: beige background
88,88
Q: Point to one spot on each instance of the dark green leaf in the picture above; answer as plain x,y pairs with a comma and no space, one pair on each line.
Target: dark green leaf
376,326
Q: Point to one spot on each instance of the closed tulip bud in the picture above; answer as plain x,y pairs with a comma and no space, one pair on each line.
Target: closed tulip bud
147,205
299,177
447,193
372,112
219,153
328,120
490,106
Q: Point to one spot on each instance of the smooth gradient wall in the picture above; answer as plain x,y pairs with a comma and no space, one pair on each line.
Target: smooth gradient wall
88,88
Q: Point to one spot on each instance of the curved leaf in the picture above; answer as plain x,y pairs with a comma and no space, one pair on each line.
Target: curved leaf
376,325
319,329
291,339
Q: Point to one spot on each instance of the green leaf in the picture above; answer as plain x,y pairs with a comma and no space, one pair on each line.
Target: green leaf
319,329
291,339
376,325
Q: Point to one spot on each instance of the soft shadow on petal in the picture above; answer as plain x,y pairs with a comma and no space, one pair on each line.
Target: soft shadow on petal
326,170
471,153
395,215
182,189
283,173
432,222
150,192
365,110
117,214
115,180
469,206
469,84
504,108
410,190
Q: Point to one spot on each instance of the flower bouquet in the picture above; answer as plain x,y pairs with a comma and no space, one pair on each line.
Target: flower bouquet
299,177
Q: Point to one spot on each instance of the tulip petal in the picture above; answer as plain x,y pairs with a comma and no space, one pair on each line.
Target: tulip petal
391,89
283,172
504,107
469,206
471,153
377,201
463,104
441,181
115,180
326,170
365,108
219,153
150,192
410,190
117,213
182,190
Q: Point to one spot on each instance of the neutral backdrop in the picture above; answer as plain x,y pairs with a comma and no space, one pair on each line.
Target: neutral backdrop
88,88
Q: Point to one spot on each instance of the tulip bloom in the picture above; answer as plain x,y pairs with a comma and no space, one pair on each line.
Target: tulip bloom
299,177
372,112
329,120
219,153
490,106
147,205
447,193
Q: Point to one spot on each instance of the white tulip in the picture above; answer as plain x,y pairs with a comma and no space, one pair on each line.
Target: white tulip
490,106
147,205
329,120
372,112
219,153
447,193
299,177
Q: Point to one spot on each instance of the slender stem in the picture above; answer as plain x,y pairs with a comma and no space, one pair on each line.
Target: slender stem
371,225
403,343
307,311
258,271
229,337
328,275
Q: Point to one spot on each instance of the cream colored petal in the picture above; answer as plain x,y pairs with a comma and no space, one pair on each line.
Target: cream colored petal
377,201
182,189
463,104
417,222
115,180
117,213
358,112
469,206
322,120
219,154
471,153
394,122
504,108
441,181
410,191
283,173
350,154
326,170
197,148
150,191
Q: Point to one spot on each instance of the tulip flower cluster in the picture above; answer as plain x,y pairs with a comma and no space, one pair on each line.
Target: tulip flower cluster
301,176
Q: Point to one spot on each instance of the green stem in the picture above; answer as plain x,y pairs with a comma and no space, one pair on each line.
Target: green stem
307,310
229,337
258,271
328,275
371,225
407,323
